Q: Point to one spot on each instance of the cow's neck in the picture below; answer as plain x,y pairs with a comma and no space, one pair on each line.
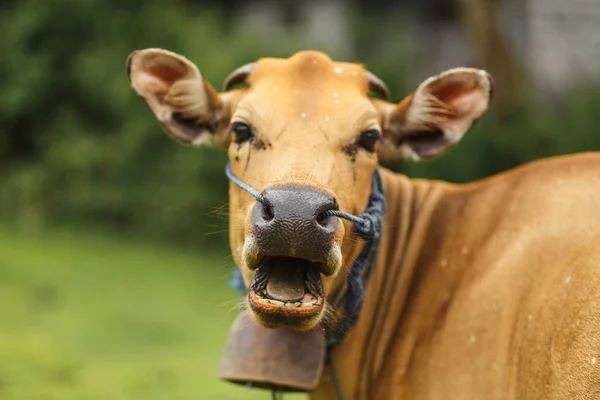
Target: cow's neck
410,207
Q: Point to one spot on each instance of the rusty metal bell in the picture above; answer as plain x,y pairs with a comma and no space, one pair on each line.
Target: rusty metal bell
279,358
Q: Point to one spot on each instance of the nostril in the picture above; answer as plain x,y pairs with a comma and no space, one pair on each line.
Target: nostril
323,219
267,212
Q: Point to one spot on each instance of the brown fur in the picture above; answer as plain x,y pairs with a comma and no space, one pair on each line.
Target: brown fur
489,290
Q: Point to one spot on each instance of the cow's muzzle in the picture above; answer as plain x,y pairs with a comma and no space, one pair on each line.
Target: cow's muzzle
291,245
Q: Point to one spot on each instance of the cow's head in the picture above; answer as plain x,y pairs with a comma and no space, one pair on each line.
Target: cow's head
307,134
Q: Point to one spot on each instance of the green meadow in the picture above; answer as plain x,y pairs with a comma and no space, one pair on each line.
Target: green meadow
88,316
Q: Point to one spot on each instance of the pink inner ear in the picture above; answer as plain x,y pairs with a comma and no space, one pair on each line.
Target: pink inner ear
448,88
164,73
467,109
466,104
150,84
464,95
166,69
155,75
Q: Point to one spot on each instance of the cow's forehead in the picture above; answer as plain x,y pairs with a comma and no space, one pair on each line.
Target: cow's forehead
309,71
309,92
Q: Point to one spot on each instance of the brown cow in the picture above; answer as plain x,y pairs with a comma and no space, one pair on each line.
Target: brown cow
489,290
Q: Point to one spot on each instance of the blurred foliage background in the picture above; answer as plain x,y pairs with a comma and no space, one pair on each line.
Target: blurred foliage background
77,147
80,153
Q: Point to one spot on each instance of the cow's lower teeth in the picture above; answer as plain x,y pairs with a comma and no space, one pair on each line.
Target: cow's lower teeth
264,298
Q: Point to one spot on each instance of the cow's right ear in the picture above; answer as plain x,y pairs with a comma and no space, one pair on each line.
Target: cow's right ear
186,105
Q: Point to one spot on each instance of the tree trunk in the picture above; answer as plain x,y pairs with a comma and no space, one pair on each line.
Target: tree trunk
492,51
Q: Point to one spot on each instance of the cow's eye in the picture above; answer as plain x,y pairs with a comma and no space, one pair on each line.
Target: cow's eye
241,131
368,139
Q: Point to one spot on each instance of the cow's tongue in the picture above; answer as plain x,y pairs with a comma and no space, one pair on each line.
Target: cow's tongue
286,282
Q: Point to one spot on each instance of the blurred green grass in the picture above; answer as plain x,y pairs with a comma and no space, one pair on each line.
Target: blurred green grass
88,316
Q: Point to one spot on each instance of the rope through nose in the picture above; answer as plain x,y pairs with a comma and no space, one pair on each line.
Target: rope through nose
244,186
366,224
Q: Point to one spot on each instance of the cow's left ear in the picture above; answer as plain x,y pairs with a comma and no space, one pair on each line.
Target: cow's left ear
436,116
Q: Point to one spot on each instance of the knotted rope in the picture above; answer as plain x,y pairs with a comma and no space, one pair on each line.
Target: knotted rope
368,225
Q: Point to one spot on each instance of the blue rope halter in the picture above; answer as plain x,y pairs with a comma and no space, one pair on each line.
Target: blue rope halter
368,225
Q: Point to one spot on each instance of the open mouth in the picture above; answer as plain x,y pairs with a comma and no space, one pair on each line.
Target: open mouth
286,291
